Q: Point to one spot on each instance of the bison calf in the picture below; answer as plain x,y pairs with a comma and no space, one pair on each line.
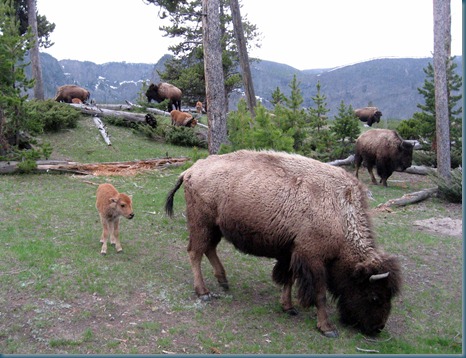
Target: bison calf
182,119
385,149
111,205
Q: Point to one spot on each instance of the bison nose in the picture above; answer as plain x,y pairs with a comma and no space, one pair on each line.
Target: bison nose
131,216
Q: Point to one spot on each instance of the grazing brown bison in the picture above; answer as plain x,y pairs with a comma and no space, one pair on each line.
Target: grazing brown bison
182,119
385,149
164,91
67,93
369,115
309,216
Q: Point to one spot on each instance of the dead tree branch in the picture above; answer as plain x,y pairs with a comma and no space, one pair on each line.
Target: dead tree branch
408,199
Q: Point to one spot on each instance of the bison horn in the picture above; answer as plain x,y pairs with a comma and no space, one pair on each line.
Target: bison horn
378,277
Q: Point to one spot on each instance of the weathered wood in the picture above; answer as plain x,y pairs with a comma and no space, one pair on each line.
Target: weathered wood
93,110
340,162
101,127
106,168
408,199
420,170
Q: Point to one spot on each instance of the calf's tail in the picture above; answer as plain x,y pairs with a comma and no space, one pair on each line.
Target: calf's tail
171,195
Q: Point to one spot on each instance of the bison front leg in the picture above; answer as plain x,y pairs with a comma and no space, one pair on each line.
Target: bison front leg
115,236
323,322
285,300
104,236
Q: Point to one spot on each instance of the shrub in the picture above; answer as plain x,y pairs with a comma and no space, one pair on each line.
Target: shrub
49,116
183,136
450,190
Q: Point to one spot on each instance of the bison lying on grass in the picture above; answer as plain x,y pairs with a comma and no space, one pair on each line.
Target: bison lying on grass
309,216
111,205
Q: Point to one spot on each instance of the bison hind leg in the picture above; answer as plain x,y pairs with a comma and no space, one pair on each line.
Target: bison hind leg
282,275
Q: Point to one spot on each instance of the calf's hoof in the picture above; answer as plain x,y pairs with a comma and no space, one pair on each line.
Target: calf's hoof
291,311
331,334
103,253
224,285
205,298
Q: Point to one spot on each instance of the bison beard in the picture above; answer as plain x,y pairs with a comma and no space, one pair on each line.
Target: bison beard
311,217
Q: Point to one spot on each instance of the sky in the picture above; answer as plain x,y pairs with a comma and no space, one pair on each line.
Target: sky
305,34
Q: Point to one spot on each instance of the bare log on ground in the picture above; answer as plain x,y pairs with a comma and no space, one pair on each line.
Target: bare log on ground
340,162
154,110
101,127
420,170
107,168
102,112
408,199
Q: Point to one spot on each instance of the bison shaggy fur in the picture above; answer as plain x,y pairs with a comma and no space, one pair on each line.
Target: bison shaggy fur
369,115
384,149
68,93
309,216
163,91
111,205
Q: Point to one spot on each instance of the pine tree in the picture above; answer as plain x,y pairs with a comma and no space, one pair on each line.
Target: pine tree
346,130
318,118
13,81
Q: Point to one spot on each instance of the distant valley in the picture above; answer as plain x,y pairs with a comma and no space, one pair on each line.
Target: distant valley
390,84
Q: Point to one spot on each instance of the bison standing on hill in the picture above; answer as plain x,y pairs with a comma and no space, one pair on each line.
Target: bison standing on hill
369,115
385,149
164,91
309,216
67,93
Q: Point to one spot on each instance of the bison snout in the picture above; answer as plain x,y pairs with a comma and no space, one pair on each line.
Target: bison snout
130,216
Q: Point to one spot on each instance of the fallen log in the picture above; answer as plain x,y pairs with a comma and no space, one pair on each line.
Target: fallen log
408,199
106,168
93,110
340,162
100,126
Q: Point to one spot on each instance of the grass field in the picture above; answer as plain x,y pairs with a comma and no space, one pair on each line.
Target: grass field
59,295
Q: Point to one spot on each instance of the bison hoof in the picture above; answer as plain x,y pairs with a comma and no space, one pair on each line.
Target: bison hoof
331,334
224,285
291,311
103,253
205,298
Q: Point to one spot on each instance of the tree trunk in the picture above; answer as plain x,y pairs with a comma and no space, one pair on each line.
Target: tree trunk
442,44
243,56
215,82
408,199
34,52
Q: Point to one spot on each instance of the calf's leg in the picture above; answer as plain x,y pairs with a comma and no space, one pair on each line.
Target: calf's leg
115,235
104,236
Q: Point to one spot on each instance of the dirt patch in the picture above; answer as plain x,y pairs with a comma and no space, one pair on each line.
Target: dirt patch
441,226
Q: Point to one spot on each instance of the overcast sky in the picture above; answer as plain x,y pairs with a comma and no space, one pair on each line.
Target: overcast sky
305,34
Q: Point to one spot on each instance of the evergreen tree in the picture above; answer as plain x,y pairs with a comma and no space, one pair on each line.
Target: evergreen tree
423,124
292,118
278,97
318,115
346,130
13,81
186,69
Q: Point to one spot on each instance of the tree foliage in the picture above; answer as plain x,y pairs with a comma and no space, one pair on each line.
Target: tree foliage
423,124
13,81
186,68
44,27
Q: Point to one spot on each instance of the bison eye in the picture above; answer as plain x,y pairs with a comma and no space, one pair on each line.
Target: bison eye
123,205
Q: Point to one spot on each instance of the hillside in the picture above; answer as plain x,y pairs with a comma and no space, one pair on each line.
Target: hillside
390,84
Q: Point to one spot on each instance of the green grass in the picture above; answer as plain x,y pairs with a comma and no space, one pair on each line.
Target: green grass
59,295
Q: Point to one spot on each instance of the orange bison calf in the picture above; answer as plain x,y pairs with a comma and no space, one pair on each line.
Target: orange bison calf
111,205
182,119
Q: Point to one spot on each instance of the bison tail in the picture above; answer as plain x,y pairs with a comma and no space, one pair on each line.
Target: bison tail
171,195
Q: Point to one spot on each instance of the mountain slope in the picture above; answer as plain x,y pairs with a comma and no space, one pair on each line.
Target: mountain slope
390,84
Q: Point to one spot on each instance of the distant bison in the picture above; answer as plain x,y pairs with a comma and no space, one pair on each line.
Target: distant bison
67,93
164,91
182,119
199,106
368,114
311,217
385,149
111,205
